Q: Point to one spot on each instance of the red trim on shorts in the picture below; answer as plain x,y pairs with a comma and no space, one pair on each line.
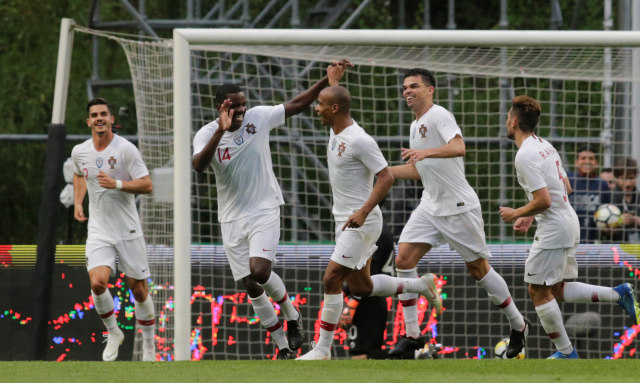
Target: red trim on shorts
400,288
147,322
328,326
409,302
554,335
506,303
106,315
274,327
594,297
281,301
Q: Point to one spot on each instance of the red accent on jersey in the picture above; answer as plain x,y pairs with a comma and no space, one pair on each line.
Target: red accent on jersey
328,326
423,131
274,327
506,303
594,297
106,315
409,302
341,148
146,322
224,156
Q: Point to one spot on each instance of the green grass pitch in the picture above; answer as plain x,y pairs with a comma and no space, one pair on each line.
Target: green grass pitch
339,371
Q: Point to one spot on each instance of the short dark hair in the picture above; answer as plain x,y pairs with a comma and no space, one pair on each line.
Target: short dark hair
224,90
98,101
427,76
527,111
587,148
625,166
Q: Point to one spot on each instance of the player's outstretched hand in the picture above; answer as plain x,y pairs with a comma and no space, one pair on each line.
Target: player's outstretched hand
336,70
226,115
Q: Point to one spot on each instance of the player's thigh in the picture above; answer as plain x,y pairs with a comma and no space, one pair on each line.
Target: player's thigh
418,236
236,248
100,253
133,258
263,233
354,246
546,267
465,234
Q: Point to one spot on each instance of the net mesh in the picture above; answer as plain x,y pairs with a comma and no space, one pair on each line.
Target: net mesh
585,98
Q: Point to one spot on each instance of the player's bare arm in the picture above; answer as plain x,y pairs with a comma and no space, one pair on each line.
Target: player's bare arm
203,159
335,71
79,191
454,148
405,172
380,189
523,224
540,202
138,186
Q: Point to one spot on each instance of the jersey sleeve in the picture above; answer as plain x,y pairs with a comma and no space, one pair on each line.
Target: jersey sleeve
135,165
271,116
202,137
368,152
447,126
74,158
529,170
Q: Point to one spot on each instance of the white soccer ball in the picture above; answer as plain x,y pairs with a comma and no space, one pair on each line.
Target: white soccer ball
500,350
608,216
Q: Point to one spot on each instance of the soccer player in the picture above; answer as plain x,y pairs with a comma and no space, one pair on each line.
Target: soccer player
236,146
449,211
552,255
111,169
354,158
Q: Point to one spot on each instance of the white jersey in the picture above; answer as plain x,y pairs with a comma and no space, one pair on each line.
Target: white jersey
354,158
242,164
112,213
538,165
446,189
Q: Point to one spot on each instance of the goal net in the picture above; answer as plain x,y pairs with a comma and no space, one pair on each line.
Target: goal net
586,98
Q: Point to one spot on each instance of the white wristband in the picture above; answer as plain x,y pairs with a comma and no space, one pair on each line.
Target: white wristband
118,184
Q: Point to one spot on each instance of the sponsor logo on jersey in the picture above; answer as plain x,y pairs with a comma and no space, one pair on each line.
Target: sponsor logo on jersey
238,139
112,162
99,162
251,129
423,131
341,148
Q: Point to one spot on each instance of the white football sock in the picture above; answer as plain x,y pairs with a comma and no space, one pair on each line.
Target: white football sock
551,320
267,314
409,302
329,318
498,292
105,308
278,292
577,292
146,318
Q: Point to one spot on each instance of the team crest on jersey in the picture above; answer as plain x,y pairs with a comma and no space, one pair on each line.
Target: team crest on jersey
341,148
238,139
423,131
99,162
112,162
251,129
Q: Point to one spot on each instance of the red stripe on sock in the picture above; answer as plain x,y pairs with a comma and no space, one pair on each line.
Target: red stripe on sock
400,288
506,303
281,301
106,315
553,335
146,322
274,327
594,297
328,326
409,302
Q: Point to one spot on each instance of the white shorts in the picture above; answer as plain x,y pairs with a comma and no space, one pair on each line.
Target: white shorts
354,246
546,267
132,256
463,232
253,236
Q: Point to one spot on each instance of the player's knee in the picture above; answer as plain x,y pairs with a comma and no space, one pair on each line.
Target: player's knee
361,291
403,263
260,275
252,287
98,287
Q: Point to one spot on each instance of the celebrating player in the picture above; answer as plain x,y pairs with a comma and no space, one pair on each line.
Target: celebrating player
449,211
354,158
552,255
236,145
111,169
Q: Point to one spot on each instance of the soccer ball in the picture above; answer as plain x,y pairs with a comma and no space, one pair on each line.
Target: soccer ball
500,351
608,216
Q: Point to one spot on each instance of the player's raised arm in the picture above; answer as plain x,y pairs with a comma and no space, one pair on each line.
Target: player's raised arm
335,71
202,159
